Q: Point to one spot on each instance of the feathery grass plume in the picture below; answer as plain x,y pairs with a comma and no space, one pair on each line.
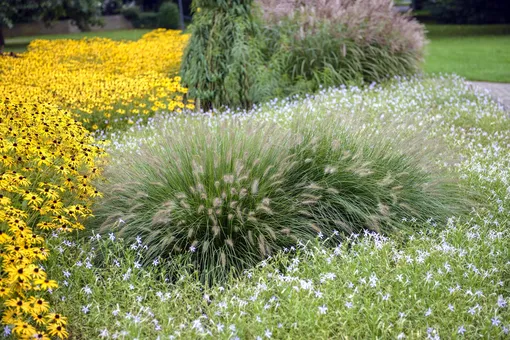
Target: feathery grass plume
357,180
211,190
331,42
223,57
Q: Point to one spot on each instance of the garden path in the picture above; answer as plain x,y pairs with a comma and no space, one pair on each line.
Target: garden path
498,90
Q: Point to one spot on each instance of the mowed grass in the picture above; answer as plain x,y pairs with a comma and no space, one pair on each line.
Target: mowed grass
19,44
474,52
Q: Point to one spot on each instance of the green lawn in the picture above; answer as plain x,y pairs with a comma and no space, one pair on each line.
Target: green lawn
473,52
19,44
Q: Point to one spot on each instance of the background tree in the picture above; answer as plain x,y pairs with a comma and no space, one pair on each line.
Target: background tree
82,13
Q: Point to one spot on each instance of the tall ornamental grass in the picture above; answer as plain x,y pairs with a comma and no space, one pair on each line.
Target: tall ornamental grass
311,44
224,193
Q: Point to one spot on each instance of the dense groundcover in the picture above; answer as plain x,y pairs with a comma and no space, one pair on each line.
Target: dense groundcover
438,277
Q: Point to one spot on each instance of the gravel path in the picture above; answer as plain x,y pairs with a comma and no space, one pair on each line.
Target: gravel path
499,90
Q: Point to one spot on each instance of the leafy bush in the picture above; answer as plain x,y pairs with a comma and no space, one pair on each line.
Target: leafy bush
226,193
324,43
141,19
168,16
132,14
469,11
148,20
111,7
222,60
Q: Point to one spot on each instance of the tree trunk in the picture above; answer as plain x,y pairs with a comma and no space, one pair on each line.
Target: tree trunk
2,40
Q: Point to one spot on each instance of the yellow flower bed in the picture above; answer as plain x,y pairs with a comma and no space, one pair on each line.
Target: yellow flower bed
47,158
98,79
47,162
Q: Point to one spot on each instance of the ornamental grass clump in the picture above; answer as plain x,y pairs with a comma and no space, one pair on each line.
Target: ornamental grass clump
213,190
226,192
356,180
331,42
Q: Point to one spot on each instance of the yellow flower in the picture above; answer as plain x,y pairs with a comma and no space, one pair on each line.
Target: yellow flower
39,305
48,157
57,319
4,200
39,318
19,305
4,292
36,272
17,273
58,330
23,329
46,284
11,317
107,78
33,199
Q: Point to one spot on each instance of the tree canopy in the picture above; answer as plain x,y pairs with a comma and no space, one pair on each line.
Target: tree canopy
82,12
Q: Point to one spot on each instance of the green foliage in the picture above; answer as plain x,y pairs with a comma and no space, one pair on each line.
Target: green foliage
223,59
234,58
147,20
141,19
168,16
469,11
226,193
83,13
322,44
150,5
132,14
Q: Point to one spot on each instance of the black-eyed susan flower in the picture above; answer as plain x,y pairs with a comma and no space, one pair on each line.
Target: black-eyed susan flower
39,305
19,304
58,330
46,284
11,316
39,318
23,329
57,319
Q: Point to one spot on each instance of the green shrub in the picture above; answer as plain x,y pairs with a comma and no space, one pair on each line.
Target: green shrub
148,20
222,59
226,193
141,19
132,14
168,16
315,44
